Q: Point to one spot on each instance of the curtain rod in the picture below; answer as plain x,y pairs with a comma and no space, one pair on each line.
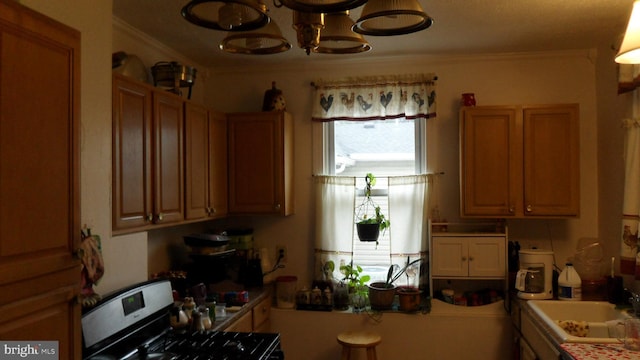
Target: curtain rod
313,84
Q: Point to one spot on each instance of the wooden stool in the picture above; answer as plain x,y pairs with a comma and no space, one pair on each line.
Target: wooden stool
358,339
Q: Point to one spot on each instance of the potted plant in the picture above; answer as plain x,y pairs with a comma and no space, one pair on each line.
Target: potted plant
356,284
369,218
381,294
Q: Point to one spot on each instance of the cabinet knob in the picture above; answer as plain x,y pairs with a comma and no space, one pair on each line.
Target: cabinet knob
512,209
464,258
277,207
213,211
529,208
160,217
149,217
470,258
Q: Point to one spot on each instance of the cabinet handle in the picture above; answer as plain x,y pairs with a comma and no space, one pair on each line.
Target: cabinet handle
529,208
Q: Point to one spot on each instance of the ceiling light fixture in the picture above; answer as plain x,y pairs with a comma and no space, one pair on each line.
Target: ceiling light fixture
308,26
392,17
227,15
257,35
337,36
320,6
630,49
265,41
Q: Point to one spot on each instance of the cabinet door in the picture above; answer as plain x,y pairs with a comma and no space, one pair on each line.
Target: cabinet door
218,165
168,157
258,172
487,257
491,158
551,161
132,191
243,324
261,314
450,256
39,179
196,161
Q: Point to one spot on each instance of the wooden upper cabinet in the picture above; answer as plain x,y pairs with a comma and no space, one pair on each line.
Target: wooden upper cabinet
39,179
551,160
132,201
519,161
261,163
148,165
205,163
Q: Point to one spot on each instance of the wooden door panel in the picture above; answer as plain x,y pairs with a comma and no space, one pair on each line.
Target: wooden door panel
551,165
253,146
450,257
38,129
132,197
168,140
218,164
490,162
487,257
197,161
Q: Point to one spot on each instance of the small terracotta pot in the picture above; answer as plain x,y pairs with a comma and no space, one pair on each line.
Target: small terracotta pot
409,298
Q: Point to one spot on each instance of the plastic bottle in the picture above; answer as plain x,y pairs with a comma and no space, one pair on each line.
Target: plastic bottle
569,284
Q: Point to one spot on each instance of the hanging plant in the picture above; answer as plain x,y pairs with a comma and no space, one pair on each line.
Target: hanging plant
370,220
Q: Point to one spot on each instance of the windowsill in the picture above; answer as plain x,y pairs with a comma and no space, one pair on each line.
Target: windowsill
436,308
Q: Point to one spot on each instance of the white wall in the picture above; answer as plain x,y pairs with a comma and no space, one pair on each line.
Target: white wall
559,77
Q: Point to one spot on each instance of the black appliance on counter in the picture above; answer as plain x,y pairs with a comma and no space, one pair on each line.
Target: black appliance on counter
134,323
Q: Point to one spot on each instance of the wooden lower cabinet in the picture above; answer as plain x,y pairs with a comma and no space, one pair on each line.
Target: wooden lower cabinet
39,179
256,320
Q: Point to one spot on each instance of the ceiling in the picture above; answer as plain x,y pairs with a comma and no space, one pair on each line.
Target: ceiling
460,27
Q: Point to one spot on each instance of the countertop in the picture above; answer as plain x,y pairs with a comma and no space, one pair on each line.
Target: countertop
255,297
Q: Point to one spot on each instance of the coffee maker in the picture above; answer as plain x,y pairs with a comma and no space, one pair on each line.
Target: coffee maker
534,278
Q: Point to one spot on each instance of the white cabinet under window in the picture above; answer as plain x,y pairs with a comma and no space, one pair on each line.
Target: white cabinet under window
468,257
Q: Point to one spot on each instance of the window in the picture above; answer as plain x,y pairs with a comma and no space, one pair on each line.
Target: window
371,124
384,148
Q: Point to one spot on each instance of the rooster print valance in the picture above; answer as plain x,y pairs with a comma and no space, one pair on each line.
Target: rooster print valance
375,98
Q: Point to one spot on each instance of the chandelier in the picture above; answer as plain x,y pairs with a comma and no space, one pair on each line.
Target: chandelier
322,26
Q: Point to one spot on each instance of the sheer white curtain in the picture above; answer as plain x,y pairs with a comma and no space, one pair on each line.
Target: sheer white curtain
628,80
335,201
408,208
408,204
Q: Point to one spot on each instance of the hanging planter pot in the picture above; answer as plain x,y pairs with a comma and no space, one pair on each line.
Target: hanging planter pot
368,232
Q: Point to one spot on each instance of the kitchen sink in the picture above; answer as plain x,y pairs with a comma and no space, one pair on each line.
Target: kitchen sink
595,313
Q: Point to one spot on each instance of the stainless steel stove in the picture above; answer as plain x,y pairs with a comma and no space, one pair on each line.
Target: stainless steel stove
134,323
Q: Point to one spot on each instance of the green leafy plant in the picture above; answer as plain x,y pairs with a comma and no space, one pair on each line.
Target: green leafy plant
369,212
395,272
354,277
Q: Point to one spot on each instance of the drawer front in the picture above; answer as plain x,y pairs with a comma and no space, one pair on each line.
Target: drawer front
261,313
